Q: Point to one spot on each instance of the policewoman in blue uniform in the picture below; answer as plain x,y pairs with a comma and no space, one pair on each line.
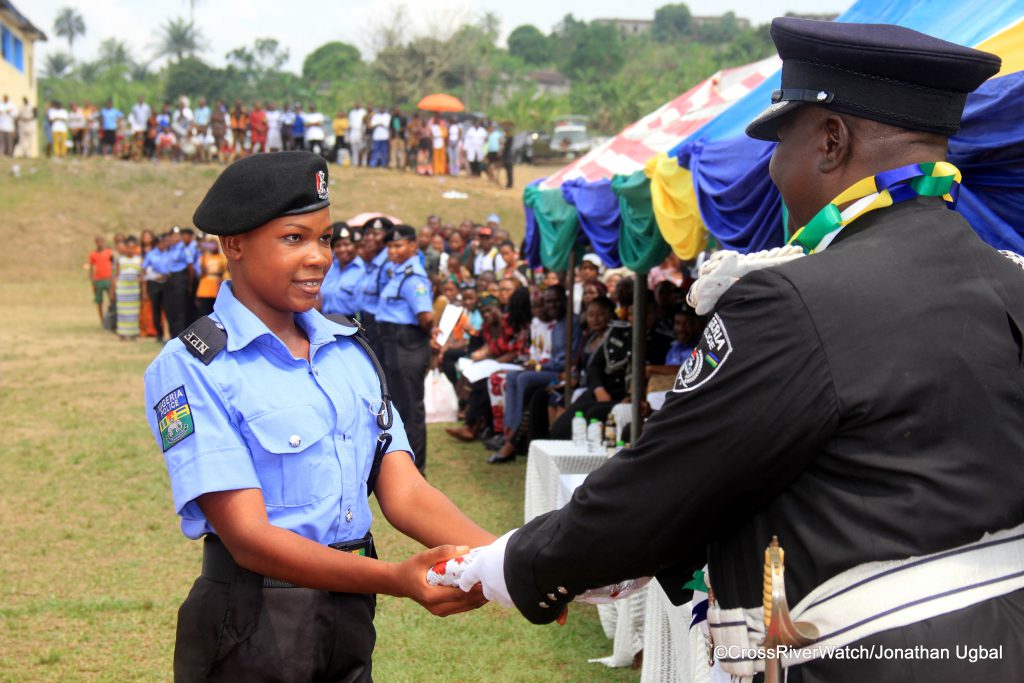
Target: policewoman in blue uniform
275,426
342,291
862,402
375,277
177,290
405,321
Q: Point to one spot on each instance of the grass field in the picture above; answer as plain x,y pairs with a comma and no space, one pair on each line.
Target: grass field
94,563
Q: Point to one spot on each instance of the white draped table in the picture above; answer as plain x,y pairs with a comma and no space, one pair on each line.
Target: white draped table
645,620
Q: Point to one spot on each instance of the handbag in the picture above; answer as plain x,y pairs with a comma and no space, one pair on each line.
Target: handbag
439,400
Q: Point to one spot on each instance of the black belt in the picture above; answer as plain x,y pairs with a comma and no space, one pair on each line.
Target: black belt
219,566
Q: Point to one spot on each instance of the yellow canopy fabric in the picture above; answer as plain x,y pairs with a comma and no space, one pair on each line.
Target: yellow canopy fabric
675,206
1008,44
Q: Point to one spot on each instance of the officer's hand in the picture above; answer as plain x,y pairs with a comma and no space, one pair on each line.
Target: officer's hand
438,600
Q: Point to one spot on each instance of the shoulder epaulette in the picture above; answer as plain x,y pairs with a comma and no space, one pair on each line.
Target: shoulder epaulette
204,339
344,321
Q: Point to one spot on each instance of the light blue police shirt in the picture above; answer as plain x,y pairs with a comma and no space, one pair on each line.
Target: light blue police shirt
157,260
342,288
374,280
256,417
179,257
197,257
406,295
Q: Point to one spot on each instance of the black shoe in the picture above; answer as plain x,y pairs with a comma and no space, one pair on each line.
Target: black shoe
495,442
499,459
486,433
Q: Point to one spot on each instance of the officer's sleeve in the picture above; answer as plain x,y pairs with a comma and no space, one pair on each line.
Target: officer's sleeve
192,424
399,439
748,412
417,294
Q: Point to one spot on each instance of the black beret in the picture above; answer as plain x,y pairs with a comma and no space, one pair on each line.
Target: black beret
379,223
400,232
885,73
257,189
342,231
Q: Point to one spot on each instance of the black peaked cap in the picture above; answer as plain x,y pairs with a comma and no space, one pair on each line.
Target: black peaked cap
882,72
257,189
400,232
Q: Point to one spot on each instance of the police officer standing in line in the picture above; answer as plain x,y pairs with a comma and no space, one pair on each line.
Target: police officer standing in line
275,428
154,281
864,403
405,322
342,291
375,256
177,290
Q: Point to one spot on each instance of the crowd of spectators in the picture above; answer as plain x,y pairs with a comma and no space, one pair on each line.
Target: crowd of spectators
512,313
378,137
518,315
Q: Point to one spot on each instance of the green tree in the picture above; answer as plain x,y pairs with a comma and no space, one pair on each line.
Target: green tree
672,22
115,56
56,64
69,25
564,37
331,62
529,44
178,38
598,51
194,77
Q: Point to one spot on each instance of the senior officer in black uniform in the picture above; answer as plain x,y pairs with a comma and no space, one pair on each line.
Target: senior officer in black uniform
864,403
405,324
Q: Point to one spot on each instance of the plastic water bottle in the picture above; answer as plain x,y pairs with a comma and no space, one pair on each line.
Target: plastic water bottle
595,431
579,430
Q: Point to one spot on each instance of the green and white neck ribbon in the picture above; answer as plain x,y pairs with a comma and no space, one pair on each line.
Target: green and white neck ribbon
931,179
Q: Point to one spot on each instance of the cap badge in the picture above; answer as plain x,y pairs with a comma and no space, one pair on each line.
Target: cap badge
344,234
396,235
321,185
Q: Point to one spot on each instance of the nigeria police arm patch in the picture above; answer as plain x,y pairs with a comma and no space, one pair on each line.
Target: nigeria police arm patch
709,356
174,418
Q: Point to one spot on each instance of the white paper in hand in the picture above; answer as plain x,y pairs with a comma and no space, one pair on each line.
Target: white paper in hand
449,318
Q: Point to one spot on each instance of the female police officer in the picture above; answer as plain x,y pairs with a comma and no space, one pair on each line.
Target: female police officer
268,414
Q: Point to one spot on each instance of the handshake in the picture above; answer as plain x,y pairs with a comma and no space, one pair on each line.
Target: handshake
486,566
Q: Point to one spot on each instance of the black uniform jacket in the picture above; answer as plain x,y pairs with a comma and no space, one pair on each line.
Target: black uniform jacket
864,403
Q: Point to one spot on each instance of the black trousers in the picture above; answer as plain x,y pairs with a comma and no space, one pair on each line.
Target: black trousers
405,356
156,302
242,631
177,290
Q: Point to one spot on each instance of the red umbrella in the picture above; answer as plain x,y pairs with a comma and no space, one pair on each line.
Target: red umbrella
441,102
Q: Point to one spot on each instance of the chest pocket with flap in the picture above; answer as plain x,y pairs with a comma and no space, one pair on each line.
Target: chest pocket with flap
294,456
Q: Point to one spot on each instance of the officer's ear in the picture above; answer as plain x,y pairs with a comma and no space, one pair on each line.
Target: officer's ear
232,247
835,143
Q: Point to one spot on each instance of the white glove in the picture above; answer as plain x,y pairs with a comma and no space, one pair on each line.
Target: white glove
488,569
722,270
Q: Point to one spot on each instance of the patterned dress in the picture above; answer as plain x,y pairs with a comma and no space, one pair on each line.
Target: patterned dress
129,295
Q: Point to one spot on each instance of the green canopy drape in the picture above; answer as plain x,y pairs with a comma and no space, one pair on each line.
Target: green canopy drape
641,246
558,224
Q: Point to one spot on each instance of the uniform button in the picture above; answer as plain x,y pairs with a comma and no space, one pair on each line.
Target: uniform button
562,590
543,604
315,372
552,597
295,440
348,515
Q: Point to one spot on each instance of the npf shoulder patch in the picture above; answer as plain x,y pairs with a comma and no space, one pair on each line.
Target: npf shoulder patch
174,418
709,356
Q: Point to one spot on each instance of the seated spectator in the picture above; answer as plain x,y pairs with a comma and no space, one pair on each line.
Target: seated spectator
506,334
521,387
607,371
